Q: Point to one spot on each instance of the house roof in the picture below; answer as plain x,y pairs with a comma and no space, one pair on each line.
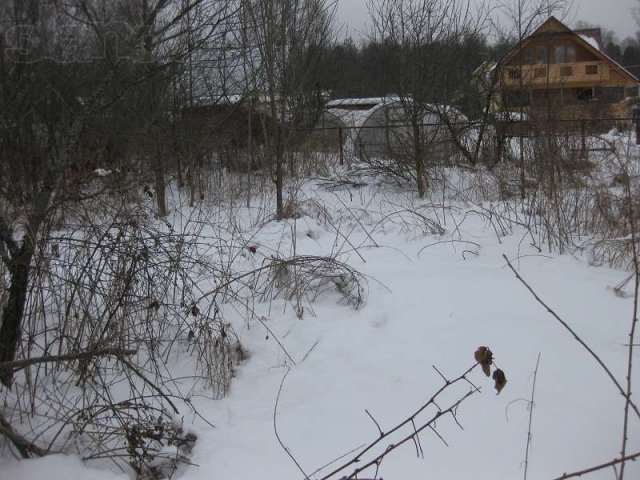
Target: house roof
591,35
590,40
587,38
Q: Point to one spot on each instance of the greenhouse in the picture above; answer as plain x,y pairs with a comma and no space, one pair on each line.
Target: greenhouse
378,128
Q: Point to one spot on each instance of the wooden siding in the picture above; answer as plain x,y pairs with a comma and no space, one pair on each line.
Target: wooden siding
558,75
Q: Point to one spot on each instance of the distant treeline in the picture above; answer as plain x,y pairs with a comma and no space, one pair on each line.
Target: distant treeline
366,68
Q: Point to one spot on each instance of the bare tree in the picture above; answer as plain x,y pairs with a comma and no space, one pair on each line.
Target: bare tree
432,39
79,258
39,139
283,37
84,82
164,39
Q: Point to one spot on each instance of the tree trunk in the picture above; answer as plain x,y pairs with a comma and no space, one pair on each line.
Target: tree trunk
13,311
419,159
18,266
191,181
279,184
249,152
177,154
161,197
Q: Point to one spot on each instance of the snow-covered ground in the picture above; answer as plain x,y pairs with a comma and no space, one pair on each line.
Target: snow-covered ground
431,300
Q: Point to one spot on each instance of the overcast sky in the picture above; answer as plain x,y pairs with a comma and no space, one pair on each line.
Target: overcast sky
614,15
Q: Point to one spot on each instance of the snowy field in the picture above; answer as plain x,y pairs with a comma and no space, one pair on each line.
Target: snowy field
429,300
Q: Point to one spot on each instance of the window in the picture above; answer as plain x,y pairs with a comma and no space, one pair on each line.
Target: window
541,55
591,69
529,57
564,54
539,96
514,73
517,98
539,72
585,94
612,94
566,71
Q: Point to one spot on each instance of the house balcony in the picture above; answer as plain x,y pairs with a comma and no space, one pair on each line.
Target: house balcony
557,75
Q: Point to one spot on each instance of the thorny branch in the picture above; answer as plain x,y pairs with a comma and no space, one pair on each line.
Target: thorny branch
411,420
378,460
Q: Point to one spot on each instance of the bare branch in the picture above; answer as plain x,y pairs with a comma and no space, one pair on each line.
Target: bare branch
595,356
357,459
17,365
374,421
612,463
135,370
533,392
275,427
24,446
631,217
378,459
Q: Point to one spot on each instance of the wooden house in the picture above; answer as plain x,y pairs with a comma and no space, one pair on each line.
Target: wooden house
563,75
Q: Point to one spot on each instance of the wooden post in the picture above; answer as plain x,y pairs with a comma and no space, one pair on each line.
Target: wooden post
499,143
523,191
340,140
635,115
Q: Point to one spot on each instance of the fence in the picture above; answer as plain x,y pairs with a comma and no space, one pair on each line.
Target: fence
394,139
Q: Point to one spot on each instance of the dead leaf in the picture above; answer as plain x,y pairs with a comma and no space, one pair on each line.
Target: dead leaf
484,357
500,379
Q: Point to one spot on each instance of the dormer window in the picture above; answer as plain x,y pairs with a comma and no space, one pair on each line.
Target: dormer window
564,54
541,55
529,55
